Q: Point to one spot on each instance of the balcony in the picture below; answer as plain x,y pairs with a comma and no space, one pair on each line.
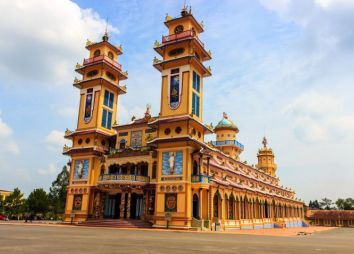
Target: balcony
183,35
124,178
200,179
228,142
103,58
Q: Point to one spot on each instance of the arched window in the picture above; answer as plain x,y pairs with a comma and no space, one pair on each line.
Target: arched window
97,53
102,171
122,144
195,168
110,55
154,169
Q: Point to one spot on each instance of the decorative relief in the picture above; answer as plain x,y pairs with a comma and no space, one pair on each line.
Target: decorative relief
171,202
171,188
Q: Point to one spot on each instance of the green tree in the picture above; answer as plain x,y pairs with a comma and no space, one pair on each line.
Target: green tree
326,204
38,202
314,205
57,192
345,204
14,204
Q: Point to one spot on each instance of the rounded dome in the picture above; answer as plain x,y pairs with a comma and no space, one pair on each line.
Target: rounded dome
226,123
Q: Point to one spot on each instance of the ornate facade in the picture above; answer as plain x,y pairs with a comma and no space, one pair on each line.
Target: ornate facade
160,168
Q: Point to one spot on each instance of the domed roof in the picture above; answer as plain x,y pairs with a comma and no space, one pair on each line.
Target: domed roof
226,123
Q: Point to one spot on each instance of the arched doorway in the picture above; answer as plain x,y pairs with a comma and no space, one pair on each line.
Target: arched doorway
266,214
216,205
195,206
231,207
195,168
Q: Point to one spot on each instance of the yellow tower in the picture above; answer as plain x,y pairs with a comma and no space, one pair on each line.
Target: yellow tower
266,159
99,91
180,124
226,132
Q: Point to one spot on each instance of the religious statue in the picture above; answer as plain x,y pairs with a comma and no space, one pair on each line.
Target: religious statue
171,160
80,169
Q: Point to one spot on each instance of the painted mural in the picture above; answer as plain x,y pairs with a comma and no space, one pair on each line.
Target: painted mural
174,91
88,105
172,163
171,202
81,169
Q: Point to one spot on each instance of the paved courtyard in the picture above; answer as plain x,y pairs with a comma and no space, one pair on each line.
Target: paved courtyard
65,239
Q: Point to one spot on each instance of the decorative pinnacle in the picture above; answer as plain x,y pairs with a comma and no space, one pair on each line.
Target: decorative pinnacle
105,37
224,115
265,142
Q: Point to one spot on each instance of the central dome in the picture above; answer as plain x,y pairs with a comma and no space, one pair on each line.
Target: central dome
226,123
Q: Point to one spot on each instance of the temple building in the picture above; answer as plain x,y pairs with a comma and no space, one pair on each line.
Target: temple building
159,169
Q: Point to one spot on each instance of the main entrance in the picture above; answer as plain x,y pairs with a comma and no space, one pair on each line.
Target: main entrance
112,206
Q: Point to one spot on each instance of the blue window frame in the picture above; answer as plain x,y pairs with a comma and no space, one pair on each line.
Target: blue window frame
111,99
108,99
196,81
195,104
106,119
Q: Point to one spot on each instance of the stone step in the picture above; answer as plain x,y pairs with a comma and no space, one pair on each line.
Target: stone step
117,223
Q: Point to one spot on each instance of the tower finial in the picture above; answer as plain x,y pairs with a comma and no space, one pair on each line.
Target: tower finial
184,11
105,37
224,115
265,142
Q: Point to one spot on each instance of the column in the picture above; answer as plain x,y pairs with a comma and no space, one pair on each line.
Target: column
200,204
128,205
122,204
208,205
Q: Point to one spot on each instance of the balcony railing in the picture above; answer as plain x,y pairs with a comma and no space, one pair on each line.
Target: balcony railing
200,179
228,142
185,34
102,58
124,178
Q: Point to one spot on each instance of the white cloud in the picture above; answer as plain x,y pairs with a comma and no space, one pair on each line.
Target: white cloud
68,112
55,139
5,131
42,40
319,117
334,3
50,170
8,144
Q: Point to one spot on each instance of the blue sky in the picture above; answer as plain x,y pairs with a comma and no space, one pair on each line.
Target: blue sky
280,67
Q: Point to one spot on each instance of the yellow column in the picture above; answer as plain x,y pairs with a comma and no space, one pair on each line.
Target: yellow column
200,204
122,204
128,205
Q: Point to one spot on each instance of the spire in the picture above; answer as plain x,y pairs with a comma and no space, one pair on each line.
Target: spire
184,11
265,142
105,37
224,115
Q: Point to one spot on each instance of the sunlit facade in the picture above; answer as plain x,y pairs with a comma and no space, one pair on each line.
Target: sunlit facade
160,169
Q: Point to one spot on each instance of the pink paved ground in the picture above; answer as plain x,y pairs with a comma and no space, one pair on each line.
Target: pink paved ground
286,232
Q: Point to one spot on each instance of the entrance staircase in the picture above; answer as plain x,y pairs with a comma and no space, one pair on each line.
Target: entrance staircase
116,223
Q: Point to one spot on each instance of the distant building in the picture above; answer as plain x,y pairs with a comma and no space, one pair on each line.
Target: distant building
160,168
331,218
4,194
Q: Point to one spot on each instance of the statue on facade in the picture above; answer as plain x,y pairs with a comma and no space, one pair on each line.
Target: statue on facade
171,160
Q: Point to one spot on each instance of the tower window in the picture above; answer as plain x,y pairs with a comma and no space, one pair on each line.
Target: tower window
106,119
97,53
196,82
179,29
110,55
91,74
108,99
195,104
111,76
